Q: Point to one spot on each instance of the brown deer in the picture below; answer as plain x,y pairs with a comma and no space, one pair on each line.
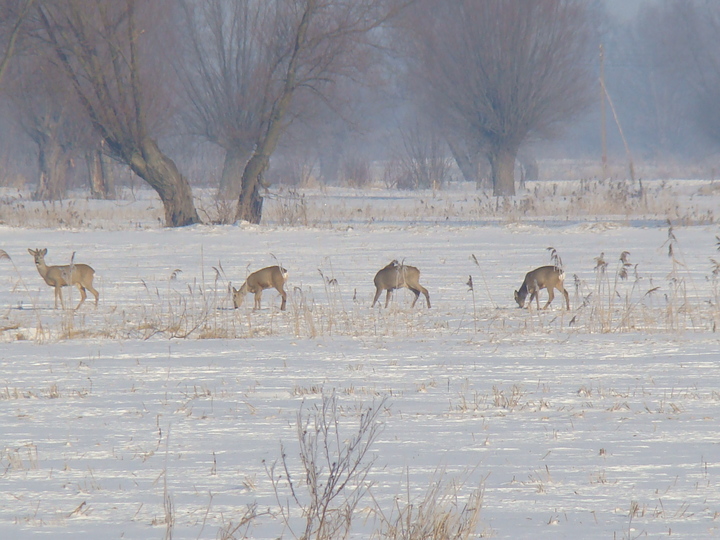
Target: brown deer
63,276
545,277
396,276
257,282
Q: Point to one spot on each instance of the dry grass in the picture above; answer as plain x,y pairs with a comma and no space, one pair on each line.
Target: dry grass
559,200
619,299
320,496
443,512
567,189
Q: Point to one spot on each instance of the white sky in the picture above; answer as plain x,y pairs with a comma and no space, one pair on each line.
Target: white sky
625,8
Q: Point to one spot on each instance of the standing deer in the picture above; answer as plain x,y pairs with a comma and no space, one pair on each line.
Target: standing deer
545,277
257,282
63,276
396,276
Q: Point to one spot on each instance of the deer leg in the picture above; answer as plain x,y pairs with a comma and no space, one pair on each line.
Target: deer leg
417,295
83,295
536,296
427,295
387,297
58,294
284,298
377,295
567,297
258,296
551,295
94,293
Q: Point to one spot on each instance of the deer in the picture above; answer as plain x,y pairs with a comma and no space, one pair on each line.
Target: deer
80,275
257,282
397,276
545,277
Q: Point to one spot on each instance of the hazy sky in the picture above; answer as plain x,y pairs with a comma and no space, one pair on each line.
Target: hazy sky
626,8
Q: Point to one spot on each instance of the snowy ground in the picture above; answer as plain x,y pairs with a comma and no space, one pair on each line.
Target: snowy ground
597,423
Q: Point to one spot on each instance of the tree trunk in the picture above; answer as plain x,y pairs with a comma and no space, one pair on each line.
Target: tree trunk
102,185
464,163
250,201
231,179
53,165
502,161
472,163
162,174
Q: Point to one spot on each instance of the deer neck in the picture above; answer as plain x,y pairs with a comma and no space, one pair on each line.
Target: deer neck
42,268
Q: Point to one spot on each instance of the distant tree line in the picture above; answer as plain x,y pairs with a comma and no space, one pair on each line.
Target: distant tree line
277,88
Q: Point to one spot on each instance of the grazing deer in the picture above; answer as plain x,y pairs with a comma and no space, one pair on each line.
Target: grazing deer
396,276
257,282
545,277
63,276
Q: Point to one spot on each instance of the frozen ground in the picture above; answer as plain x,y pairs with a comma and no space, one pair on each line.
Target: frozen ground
597,423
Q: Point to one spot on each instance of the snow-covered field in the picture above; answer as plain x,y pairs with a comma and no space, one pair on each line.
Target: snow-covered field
601,422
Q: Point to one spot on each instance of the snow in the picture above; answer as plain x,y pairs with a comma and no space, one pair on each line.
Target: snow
600,422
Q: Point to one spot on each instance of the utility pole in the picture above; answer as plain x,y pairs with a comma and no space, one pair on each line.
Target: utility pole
603,126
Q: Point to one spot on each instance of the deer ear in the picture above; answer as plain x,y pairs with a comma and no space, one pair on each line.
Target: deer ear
516,295
31,252
44,252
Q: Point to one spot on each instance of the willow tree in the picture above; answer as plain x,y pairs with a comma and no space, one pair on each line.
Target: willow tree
248,60
500,72
226,71
14,14
114,52
46,110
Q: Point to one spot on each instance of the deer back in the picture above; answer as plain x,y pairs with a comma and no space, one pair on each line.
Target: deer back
396,276
70,275
265,278
543,278
63,275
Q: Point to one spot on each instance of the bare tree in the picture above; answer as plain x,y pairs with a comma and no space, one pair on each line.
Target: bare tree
227,75
335,468
313,43
421,158
502,72
114,54
45,109
14,13
341,131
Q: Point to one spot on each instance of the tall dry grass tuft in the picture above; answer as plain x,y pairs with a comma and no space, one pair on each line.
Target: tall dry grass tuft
679,314
168,503
715,288
190,310
336,313
440,514
614,302
318,495
334,469
218,210
303,312
41,335
291,208
240,528
624,301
